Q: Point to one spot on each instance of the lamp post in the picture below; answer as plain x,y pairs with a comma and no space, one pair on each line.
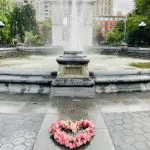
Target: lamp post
142,26
2,25
125,28
124,45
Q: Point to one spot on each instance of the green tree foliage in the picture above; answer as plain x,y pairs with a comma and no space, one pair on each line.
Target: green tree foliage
116,35
23,20
138,36
31,39
98,36
135,36
6,7
47,30
142,7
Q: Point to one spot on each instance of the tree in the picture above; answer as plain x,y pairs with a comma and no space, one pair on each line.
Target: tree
31,39
138,35
29,18
116,35
47,30
97,32
6,7
23,20
142,7
135,35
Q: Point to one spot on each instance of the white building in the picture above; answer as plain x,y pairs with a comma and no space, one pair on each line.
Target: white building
103,8
43,9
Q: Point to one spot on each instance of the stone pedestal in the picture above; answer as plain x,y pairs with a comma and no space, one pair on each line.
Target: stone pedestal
73,74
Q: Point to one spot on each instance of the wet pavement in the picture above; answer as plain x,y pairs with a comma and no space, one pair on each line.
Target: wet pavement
122,120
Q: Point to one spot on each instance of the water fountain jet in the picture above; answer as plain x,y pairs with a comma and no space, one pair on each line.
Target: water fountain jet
73,74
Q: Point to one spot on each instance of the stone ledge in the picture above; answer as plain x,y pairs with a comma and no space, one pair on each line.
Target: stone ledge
122,79
73,82
115,88
73,92
25,79
24,88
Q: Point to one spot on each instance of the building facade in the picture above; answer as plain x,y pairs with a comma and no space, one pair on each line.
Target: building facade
43,9
103,8
107,23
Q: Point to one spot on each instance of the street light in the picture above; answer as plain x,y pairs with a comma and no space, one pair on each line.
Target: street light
125,29
142,26
2,25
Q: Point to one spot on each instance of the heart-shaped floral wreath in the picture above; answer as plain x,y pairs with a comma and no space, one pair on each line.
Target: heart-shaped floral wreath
58,131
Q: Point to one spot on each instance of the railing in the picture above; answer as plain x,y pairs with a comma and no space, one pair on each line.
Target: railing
6,45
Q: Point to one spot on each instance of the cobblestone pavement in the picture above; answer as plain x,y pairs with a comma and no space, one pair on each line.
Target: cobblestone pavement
129,131
19,131
126,124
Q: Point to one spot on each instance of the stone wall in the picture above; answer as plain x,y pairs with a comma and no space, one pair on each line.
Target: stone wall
134,52
105,82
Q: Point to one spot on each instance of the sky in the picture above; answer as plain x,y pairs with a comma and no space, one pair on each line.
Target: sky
124,6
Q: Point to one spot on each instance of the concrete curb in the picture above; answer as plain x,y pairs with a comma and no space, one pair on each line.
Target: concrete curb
105,82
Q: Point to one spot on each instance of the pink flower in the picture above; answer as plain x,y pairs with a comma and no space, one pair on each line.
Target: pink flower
63,138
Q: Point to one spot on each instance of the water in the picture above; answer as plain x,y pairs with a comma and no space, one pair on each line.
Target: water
75,24
74,28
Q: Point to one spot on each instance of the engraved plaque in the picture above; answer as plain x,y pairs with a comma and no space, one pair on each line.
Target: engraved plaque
73,71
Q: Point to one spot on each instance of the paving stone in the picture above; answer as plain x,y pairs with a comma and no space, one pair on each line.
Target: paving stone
19,147
127,120
145,114
118,141
7,140
120,117
147,142
14,130
109,118
146,129
29,135
146,124
19,134
29,148
129,139
118,122
147,135
135,133
117,134
140,138
6,147
137,125
128,132
18,141
128,126
138,130
146,119
137,119
29,142
118,128
140,145
127,147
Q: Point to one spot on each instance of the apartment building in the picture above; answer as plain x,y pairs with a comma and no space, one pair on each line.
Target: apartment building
103,8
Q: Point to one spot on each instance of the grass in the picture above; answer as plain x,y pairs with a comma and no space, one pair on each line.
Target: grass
145,65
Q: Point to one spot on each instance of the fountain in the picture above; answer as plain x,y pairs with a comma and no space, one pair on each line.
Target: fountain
73,74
